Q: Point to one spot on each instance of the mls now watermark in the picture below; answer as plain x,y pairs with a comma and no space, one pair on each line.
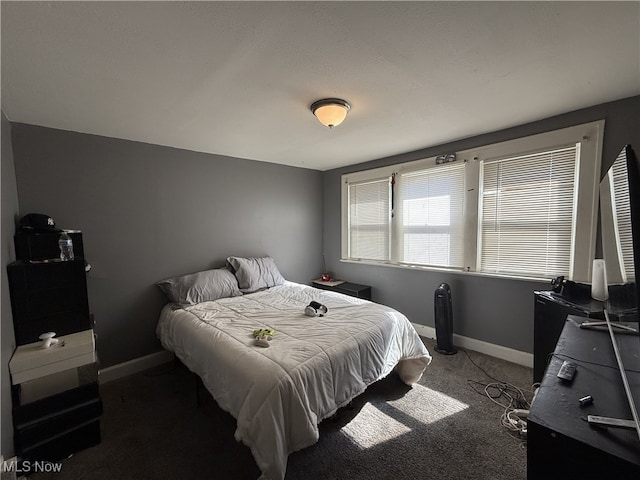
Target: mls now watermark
26,467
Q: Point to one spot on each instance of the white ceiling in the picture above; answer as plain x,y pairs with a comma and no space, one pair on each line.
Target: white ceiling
237,78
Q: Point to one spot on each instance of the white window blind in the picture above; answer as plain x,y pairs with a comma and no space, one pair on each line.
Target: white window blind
524,208
527,213
430,210
622,217
369,219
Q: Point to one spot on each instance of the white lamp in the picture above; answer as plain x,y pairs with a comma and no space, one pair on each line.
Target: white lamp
330,111
599,287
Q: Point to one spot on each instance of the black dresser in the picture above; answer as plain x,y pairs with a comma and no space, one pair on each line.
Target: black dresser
561,444
551,310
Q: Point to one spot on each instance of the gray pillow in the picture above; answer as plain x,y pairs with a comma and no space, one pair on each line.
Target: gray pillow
254,273
200,287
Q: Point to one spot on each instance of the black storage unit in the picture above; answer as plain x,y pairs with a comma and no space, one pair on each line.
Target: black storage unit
550,312
57,426
560,443
44,246
48,294
48,297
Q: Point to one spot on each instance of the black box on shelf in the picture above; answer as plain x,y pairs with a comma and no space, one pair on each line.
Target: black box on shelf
48,297
44,246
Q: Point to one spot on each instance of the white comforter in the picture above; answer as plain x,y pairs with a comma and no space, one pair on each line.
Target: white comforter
313,366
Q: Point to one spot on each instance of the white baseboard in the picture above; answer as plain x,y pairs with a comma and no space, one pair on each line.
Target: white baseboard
498,351
136,365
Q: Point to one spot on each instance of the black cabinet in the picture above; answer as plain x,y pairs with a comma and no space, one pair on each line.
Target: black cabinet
348,288
54,427
550,312
44,246
560,443
47,297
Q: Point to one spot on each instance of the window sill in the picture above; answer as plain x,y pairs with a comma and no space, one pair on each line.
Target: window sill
445,270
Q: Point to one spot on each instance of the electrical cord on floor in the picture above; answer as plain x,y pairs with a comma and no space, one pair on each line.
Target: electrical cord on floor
503,394
478,366
511,398
515,423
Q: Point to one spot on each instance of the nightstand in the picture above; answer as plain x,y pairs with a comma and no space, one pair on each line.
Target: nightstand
348,288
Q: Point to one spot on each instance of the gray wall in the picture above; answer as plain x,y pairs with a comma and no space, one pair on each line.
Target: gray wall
494,310
7,340
149,212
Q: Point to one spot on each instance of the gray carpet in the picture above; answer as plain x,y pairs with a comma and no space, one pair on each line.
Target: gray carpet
439,429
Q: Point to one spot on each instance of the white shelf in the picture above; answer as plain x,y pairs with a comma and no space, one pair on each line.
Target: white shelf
31,361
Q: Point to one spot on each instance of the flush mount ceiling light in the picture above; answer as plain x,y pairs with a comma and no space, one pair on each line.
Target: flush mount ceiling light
330,111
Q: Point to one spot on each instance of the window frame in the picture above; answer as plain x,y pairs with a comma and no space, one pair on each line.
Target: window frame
589,136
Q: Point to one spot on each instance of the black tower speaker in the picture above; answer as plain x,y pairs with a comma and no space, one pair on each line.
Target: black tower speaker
443,313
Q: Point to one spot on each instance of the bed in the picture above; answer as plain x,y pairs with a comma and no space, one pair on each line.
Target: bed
311,367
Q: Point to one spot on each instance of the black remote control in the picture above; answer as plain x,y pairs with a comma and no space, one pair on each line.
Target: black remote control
567,371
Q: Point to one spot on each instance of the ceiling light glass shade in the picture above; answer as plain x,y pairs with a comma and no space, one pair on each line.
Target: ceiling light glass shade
330,111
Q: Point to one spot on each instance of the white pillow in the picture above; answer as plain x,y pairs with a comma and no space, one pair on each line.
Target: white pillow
199,287
254,273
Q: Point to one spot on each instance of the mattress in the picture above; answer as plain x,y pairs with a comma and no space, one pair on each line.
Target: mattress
312,367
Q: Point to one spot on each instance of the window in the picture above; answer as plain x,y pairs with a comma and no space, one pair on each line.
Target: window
526,213
369,220
430,213
521,208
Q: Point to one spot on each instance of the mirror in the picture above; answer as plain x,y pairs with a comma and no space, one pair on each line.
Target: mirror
615,219
616,224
